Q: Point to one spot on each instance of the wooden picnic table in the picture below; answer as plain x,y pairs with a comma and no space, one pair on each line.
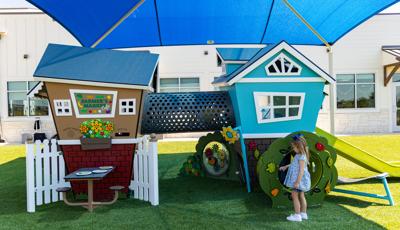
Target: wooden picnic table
90,204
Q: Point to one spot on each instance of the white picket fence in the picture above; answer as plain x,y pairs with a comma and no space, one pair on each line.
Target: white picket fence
145,171
45,171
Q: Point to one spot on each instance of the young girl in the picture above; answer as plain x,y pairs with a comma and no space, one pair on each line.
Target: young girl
298,178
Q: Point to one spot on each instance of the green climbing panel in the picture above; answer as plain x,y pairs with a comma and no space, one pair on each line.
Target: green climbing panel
321,167
214,158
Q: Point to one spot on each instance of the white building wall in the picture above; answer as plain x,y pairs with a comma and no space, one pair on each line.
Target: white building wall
360,52
26,34
357,52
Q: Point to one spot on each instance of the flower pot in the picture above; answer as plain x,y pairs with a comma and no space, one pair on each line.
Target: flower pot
95,143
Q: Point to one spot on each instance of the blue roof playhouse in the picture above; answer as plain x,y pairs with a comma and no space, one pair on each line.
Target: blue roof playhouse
274,93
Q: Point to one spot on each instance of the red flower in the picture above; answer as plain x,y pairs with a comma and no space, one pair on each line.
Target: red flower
252,146
102,133
208,152
320,147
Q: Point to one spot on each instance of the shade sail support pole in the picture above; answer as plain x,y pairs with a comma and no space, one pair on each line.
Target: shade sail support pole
108,32
309,26
332,96
330,57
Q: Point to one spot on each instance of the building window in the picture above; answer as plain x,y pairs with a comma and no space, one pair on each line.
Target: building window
355,91
283,66
127,106
20,105
63,107
273,107
179,84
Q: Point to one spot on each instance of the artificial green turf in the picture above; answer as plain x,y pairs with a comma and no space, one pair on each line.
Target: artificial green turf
192,203
386,147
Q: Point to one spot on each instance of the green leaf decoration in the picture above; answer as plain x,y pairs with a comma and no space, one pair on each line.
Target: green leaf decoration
257,154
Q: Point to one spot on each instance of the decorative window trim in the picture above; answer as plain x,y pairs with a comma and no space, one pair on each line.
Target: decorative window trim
114,103
286,106
63,107
121,107
280,57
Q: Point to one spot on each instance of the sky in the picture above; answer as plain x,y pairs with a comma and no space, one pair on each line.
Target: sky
23,4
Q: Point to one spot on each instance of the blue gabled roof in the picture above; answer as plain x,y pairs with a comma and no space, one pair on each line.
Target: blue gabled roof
237,54
228,77
97,65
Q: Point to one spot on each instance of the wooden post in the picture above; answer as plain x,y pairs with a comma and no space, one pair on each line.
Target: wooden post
30,178
90,195
153,170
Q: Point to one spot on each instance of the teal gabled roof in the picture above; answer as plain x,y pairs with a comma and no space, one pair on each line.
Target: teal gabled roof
72,63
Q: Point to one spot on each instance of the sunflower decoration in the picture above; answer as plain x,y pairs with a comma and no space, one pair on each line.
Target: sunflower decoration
96,128
229,134
84,129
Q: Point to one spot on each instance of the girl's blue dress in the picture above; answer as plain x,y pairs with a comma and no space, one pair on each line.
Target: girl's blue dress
293,172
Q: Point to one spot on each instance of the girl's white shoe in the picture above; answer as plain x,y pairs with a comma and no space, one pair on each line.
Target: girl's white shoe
294,217
304,216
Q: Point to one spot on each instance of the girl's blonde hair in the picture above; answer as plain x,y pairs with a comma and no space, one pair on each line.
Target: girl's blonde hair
301,144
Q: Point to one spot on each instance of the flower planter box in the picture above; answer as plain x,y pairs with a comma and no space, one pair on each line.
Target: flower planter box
95,143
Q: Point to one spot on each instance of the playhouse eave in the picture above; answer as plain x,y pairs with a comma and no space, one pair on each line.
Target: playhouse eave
91,83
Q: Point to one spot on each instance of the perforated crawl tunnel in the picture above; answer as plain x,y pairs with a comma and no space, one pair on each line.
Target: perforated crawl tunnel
321,167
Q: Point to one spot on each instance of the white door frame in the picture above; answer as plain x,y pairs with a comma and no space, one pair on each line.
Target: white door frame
394,127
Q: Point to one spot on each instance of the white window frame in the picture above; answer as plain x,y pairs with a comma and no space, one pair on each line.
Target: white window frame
179,84
282,56
127,106
114,103
355,109
62,107
28,116
286,106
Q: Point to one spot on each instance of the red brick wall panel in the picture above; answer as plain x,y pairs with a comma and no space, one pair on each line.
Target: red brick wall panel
119,156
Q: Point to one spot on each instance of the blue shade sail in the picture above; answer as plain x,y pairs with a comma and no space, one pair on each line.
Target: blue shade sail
195,22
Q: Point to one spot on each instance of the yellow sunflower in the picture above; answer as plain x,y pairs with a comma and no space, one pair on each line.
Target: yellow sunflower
229,134
84,129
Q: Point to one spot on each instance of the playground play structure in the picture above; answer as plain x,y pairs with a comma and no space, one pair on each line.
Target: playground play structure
266,100
266,96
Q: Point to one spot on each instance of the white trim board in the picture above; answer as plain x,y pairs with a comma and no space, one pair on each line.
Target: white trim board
94,83
281,79
264,135
282,46
113,141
